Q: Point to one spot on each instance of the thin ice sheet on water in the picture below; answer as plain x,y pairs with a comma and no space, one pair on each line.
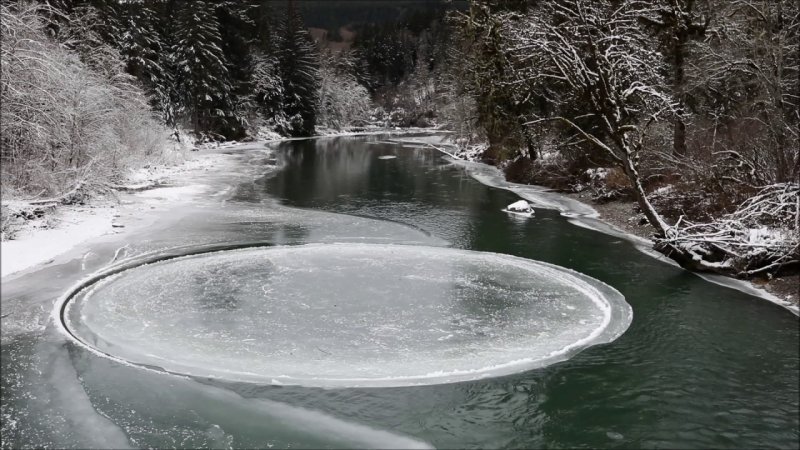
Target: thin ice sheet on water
347,315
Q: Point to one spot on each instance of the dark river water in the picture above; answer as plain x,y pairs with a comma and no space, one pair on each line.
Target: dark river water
700,366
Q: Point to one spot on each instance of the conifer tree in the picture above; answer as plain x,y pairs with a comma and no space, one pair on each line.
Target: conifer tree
677,23
239,37
265,81
499,109
299,71
201,73
147,56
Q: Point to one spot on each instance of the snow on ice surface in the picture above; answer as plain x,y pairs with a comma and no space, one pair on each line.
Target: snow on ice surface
347,315
77,225
537,195
174,193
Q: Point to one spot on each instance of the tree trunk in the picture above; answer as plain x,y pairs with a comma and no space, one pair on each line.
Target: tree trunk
641,198
679,137
679,132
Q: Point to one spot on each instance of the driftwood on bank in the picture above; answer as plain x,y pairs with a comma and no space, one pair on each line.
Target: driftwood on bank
759,238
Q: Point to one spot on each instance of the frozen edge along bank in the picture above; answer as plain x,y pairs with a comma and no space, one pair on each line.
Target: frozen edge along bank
76,225
617,317
584,215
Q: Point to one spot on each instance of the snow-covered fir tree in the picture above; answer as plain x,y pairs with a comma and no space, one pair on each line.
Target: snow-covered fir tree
299,70
147,55
205,89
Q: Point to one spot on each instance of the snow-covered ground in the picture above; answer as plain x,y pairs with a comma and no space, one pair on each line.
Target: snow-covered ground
39,241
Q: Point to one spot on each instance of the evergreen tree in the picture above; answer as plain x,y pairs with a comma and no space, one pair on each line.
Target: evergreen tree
387,50
147,56
299,71
205,89
265,82
239,32
262,16
267,87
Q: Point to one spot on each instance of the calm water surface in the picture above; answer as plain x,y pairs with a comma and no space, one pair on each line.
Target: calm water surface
700,366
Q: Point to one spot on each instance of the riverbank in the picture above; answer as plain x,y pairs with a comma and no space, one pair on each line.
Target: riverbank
41,234
42,238
39,238
622,214
619,216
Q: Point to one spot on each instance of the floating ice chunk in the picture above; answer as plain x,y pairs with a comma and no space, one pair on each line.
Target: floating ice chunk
387,157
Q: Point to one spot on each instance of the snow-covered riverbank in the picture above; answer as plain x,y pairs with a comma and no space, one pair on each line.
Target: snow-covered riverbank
43,239
39,240
607,218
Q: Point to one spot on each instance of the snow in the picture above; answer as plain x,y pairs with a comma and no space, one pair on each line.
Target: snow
37,246
174,193
265,134
597,174
664,190
42,241
766,236
520,206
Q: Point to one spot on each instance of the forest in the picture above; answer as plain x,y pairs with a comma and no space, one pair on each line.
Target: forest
688,107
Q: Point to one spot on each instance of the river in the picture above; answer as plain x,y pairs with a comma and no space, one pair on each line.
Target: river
699,365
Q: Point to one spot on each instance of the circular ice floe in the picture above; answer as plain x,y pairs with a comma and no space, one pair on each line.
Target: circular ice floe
345,315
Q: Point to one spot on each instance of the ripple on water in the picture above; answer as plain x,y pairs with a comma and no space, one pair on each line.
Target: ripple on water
346,315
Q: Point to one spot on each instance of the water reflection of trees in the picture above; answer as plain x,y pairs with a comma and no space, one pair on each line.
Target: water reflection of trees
320,171
344,175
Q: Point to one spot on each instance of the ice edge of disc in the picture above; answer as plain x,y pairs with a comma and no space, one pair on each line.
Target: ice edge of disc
578,280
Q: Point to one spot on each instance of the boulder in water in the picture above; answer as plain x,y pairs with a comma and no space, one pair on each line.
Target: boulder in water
520,207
